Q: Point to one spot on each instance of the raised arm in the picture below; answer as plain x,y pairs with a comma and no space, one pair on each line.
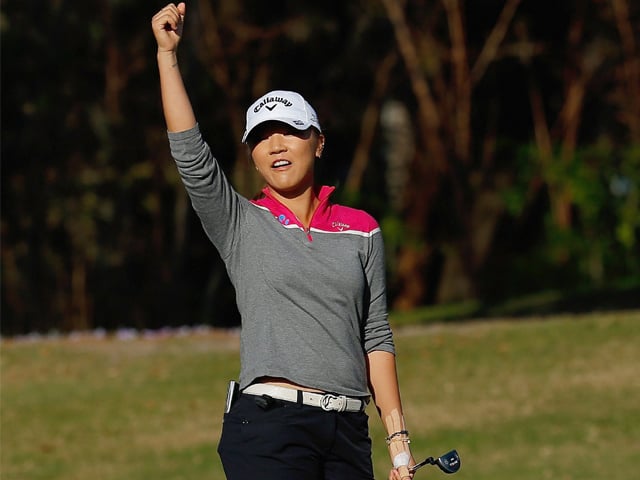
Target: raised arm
383,382
167,27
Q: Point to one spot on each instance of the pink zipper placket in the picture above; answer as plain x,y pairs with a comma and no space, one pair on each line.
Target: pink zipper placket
321,204
307,231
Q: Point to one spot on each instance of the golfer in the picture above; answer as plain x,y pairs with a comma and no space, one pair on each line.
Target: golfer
310,287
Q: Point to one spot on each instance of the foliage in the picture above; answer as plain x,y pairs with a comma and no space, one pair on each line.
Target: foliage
511,147
602,243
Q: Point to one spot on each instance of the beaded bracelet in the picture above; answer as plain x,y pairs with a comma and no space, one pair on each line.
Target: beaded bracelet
403,440
390,438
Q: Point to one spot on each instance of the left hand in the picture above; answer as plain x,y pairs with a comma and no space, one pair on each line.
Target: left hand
400,473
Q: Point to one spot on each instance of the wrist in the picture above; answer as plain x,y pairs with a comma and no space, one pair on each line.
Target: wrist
170,55
167,59
399,436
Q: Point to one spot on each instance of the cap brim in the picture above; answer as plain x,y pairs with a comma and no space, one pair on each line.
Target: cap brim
295,123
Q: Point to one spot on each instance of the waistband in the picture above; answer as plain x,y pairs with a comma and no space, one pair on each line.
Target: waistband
325,401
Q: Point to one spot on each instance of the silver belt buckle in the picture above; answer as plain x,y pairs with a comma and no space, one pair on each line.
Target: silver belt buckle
330,402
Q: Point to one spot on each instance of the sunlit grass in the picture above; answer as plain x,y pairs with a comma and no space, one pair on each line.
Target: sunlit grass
553,397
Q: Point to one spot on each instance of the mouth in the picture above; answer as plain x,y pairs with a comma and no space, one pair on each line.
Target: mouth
280,163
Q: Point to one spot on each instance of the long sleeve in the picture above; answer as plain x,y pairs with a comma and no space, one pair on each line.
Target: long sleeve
219,207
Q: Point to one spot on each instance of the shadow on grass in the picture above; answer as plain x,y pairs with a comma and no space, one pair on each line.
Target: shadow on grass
614,298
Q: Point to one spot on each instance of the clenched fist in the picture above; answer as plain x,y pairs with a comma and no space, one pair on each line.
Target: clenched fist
167,26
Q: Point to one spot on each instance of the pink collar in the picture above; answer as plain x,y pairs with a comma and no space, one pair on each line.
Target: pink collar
286,216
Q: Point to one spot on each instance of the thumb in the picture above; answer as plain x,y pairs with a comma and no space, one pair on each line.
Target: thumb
182,9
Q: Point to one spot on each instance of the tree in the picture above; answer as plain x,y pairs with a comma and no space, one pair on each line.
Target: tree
454,159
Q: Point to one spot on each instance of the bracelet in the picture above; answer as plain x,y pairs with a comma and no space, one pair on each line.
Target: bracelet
403,440
390,438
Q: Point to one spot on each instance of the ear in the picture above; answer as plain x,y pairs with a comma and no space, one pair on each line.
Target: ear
320,146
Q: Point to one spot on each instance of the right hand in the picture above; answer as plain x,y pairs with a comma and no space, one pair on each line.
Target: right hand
167,26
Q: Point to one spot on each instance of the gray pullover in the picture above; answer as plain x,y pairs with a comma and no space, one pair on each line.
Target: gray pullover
312,302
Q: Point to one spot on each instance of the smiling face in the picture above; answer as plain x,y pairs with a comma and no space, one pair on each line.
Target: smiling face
285,156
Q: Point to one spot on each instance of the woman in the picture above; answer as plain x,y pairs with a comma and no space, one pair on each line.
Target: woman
310,287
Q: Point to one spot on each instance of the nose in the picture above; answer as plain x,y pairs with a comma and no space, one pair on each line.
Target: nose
276,143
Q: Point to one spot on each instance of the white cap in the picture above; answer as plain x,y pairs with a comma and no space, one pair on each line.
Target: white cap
281,106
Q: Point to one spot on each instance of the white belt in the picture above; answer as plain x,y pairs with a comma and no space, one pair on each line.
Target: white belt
325,401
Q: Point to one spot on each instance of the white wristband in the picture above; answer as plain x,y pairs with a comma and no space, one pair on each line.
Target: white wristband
401,459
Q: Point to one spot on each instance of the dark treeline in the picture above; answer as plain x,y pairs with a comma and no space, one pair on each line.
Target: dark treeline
497,142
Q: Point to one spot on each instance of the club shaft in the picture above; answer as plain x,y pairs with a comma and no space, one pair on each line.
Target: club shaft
421,464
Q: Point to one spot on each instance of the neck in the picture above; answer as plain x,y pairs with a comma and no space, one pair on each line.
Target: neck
303,205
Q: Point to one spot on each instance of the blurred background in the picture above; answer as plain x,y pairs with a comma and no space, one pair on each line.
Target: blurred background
497,143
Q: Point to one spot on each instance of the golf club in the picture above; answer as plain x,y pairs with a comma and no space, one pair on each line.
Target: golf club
448,463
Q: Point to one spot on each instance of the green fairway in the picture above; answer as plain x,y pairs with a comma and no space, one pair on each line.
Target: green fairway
541,398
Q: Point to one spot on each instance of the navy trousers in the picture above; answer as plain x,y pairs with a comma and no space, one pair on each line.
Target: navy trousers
284,440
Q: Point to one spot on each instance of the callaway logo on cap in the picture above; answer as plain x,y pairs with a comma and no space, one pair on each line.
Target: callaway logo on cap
281,106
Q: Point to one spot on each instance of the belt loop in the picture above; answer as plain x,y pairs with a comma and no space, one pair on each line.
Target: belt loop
299,399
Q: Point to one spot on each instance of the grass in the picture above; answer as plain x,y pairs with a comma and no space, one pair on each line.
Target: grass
550,397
